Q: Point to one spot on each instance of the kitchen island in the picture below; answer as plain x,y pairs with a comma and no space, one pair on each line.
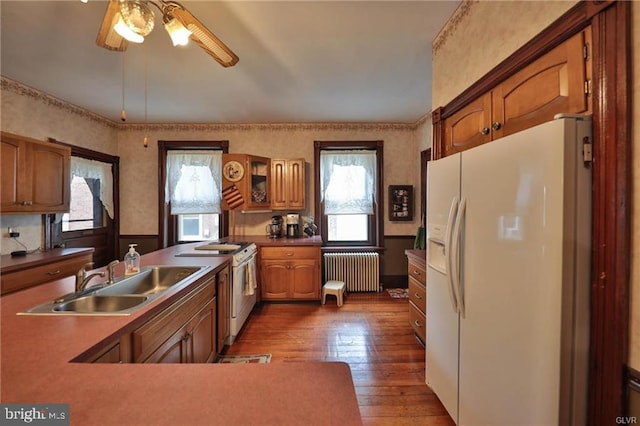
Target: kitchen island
38,368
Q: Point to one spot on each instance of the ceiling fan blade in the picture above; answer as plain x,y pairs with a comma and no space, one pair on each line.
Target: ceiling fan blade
107,36
205,38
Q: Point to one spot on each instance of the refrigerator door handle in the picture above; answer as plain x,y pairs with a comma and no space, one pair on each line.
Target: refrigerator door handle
447,253
456,243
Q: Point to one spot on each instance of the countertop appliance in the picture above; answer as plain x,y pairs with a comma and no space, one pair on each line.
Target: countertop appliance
274,229
243,278
508,278
293,225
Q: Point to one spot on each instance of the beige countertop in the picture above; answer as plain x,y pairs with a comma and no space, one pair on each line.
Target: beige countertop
36,368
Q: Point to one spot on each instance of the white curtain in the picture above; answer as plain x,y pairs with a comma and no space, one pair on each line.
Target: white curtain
348,181
92,169
194,181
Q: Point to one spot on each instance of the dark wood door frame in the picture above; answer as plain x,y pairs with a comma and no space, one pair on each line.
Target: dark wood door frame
611,244
113,228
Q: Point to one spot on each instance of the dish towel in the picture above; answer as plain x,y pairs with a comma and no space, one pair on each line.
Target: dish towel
250,283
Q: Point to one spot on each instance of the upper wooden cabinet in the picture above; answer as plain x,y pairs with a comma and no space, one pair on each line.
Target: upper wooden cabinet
251,176
35,176
558,82
287,184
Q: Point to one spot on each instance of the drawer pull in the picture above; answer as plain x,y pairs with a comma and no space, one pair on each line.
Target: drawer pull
289,254
417,323
56,272
416,272
417,296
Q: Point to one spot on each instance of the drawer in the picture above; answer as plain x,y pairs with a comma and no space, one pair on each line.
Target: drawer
417,271
418,322
418,294
290,252
18,280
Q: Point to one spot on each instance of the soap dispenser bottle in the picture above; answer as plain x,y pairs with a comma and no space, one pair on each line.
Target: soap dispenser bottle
132,261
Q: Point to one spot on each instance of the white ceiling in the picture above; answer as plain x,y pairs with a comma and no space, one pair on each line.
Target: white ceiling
300,61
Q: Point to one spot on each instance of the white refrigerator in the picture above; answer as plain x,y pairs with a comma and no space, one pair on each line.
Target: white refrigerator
508,278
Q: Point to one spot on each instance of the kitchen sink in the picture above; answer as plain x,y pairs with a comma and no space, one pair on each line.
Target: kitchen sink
101,303
126,295
151,280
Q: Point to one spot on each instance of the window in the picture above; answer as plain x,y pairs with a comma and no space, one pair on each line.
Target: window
193,188
348,178
91,195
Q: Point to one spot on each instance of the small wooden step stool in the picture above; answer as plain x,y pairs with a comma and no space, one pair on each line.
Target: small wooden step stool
337,288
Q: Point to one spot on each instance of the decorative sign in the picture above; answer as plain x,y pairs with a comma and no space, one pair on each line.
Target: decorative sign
400,202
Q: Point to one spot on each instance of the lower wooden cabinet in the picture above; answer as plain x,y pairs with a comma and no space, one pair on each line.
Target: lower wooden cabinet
290,273
183,333
46,267
417,293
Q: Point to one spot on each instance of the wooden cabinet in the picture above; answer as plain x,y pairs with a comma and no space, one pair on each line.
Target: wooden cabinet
290,273
39,268
246,181
185,332
224,307
288,184
555,83
35,176
417,293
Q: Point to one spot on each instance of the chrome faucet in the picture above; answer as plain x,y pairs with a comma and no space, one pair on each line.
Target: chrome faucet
82,279
111,272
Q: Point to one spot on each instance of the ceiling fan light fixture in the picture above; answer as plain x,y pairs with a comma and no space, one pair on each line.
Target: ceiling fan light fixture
178,33
127,33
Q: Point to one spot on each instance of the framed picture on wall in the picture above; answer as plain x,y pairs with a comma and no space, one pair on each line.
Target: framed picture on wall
400,202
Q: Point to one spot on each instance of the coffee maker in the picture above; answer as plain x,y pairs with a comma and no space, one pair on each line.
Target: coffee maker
274,229
293,225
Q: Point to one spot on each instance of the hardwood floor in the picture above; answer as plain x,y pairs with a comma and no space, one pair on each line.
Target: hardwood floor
371,333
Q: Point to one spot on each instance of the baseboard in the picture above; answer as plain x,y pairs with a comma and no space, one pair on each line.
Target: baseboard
394,281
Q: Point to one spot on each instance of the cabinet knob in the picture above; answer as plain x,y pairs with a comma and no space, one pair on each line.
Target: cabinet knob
417,296
417,323
496,126
485,131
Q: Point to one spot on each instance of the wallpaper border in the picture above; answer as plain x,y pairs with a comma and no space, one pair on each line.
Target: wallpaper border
452,24
18,88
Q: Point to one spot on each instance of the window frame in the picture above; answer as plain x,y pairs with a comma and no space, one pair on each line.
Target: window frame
376,221
167,223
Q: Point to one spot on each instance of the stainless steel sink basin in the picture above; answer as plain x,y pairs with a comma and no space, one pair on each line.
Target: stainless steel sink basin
151,280
123,297
109,303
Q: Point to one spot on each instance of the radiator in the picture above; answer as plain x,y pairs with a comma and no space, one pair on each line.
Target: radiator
359,271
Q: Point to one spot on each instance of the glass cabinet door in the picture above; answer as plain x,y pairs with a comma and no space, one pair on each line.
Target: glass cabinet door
260,169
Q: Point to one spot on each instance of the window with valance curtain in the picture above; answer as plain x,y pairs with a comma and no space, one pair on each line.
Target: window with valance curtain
194,181
348,181
91,169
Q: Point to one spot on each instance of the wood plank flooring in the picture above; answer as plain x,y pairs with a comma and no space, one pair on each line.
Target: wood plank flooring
371,333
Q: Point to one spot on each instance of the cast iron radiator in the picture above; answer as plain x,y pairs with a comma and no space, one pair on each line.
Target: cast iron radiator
360,271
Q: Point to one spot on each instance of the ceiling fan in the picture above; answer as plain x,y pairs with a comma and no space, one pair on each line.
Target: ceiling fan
132,20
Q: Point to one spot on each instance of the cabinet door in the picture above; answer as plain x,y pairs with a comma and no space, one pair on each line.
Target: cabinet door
275,279
468,127
172,351
305,279
224,301
259,172
201,335
50,175
10,159
552,84
279,199
295,183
